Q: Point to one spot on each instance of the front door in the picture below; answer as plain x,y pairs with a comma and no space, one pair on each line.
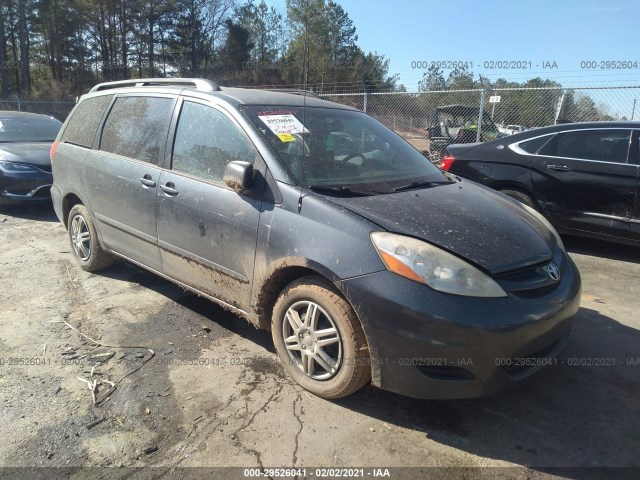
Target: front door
206,231
585,180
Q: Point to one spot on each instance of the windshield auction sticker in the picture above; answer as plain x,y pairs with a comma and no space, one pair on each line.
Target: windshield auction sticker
284,126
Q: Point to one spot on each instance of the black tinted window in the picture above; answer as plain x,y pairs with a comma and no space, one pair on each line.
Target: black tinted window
206,140
82,126
605,145
533,145
24,128
137,128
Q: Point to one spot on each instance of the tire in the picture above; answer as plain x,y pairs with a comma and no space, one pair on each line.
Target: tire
521,197
336,369
84,241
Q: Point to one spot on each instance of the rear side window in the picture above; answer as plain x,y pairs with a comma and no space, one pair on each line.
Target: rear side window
137,128
82,126
533,145
206,140
607,145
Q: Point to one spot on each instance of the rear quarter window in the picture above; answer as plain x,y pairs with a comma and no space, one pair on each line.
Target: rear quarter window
532,146
85,120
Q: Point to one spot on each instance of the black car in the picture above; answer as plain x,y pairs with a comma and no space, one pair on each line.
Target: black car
584,177
315,221
25,166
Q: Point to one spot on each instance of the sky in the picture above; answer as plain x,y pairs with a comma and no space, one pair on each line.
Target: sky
557,39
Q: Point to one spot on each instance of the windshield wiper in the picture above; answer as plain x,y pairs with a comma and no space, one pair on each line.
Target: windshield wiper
341,189
419,184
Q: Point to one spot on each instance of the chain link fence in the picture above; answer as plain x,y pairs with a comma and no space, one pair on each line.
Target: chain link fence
430,120
52,108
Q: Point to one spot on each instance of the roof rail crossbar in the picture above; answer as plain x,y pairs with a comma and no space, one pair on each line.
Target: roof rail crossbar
198,83
294,91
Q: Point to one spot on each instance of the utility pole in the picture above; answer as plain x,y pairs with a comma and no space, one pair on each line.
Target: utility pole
479,132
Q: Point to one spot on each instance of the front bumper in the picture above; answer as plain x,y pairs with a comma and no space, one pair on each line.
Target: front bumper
25,188
427,344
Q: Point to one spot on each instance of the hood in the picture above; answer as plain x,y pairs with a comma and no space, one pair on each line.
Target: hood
33,153
471,221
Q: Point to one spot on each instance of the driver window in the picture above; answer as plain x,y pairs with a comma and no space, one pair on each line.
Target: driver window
206,140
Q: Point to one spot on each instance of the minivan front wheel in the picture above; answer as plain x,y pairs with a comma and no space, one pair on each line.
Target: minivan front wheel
84,241
319,339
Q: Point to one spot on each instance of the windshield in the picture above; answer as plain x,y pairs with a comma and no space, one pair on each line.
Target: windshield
348,150
28,129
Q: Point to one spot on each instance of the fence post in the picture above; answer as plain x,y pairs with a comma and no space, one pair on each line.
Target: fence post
19,104
365,102
479,132
559,107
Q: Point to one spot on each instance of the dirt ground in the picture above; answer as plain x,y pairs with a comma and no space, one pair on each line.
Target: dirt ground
197,387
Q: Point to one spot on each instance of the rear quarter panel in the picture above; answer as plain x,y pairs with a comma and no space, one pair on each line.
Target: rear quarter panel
498,168
68,174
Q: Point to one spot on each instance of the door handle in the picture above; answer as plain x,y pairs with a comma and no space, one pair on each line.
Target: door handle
169,188
560,168
147,181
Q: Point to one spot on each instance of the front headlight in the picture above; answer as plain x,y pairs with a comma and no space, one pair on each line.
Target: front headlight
425,263
12,167
546,223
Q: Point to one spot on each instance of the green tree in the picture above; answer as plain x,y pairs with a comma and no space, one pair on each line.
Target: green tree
433,79
237,48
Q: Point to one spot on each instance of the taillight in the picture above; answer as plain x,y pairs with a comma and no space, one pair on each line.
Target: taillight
54,147
446,162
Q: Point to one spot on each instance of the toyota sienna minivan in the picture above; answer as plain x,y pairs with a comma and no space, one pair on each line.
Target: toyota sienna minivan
315,221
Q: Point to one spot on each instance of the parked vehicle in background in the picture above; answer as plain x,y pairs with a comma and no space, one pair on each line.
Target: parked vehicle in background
317,222
25,166
584,177
456,124
511,129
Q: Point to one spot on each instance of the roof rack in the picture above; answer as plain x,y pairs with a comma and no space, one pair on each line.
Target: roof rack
293,91
198,83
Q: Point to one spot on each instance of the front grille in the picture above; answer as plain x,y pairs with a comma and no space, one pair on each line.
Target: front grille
535,292
522,273
531,281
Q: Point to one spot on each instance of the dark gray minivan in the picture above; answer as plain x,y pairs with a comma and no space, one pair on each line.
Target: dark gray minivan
313,220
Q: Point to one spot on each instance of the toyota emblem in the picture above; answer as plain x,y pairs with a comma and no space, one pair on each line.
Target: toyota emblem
554,271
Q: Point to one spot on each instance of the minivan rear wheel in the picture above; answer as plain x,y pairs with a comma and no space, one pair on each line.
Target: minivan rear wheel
84,241
319,339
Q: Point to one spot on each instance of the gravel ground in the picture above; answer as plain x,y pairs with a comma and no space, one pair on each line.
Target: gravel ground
196,386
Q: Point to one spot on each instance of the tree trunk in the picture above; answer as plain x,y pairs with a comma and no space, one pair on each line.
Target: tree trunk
124,45
151,44
14,47
24,47
4,76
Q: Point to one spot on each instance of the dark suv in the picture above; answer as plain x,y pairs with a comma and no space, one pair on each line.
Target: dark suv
315,221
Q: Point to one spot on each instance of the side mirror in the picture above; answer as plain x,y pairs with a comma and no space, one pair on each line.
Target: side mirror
238,175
